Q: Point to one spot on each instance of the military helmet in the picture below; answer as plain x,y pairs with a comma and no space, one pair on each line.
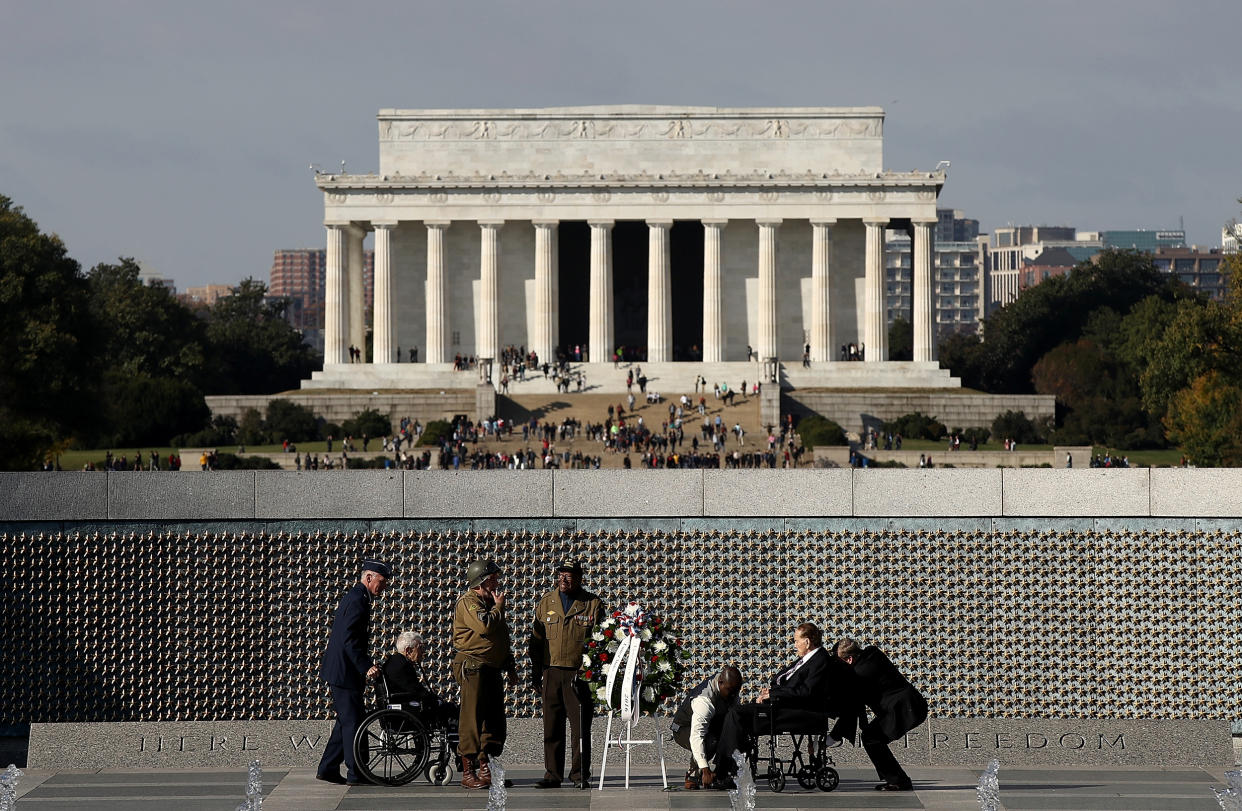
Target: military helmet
480,570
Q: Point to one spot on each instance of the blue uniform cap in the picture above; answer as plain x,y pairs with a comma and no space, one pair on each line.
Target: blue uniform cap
378,567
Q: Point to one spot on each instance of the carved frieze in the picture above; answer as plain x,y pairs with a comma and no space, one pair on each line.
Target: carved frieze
628,129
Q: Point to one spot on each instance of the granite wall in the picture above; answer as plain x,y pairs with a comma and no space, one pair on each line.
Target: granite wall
1002,593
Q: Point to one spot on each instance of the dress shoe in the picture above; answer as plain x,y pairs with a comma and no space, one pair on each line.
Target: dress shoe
548,782
894,787
332,777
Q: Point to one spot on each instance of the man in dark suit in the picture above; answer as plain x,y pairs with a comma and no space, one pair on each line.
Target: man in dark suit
897,706
346,667
816,682
405,683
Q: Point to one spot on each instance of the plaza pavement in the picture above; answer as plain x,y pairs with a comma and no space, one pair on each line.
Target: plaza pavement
940,789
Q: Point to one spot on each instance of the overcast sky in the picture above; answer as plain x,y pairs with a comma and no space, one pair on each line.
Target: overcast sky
180,133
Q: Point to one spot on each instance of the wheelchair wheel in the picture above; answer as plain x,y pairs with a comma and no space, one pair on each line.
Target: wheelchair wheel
391,747
827,778
806,777
776,780
440,774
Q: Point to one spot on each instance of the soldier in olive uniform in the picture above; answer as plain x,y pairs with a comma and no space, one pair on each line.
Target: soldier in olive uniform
481,639
563,620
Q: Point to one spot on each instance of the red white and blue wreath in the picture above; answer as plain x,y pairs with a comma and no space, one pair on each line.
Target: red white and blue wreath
634,654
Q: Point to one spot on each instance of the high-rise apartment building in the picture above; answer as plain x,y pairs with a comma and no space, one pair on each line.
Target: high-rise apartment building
1198,268
299,275
958,280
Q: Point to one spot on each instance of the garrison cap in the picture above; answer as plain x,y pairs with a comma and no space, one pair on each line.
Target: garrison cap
379,567
569,565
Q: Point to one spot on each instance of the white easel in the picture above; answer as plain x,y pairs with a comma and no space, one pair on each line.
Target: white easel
627,740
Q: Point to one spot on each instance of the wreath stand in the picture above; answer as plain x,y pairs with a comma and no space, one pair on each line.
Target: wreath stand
626,738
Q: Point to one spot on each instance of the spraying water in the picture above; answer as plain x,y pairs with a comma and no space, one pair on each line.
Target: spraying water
497,794
1230,799
742,798
989,787
8,788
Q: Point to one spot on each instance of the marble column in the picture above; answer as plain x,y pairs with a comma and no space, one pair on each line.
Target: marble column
923,281
487,332
357,292
383,324
336,300
543,339
713,307
768,347
875,328
659,293
821,306
437,345
601,315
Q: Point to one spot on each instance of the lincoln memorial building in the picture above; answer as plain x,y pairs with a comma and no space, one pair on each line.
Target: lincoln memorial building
684,235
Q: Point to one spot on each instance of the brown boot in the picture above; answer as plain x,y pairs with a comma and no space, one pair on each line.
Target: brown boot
469,779
485,771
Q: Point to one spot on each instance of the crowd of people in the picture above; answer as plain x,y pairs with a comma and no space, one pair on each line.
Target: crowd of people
821,685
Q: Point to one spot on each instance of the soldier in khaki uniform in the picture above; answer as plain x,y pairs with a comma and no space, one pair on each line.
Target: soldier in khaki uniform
481,639
563,620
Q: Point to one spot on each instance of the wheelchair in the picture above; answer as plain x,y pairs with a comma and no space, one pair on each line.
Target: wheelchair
395,743
813,768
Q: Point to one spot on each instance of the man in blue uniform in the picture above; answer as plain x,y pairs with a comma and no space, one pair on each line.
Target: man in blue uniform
346,667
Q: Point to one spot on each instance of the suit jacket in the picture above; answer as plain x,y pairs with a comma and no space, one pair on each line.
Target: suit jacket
824,684
402,678
346,661
897,705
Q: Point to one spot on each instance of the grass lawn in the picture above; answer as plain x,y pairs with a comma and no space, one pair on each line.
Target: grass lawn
943,446
76,459
1170,457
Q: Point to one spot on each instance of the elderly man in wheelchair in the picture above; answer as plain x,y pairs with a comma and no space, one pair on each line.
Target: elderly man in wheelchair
411,730
801,701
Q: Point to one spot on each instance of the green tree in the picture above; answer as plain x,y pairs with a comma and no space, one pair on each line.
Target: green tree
817,431
369,423
138,409
46,374
1017,426
1050,313
289,420
251,430
1205,420
144,328
253,348
151,350
901,340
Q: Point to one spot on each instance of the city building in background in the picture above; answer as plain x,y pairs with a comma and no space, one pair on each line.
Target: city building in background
953,226
1143,239
1201,269
299,275
151,278
1051,262
1011,248
1229,238
958,264
208,294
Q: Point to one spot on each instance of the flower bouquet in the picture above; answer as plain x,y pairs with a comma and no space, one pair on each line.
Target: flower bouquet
658,658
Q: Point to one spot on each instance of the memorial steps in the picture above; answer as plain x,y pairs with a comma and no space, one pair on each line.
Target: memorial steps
671,378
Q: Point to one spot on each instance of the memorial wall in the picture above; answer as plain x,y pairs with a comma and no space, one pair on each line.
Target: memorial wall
1095,595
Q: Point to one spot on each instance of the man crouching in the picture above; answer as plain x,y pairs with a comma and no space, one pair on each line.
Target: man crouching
696,724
